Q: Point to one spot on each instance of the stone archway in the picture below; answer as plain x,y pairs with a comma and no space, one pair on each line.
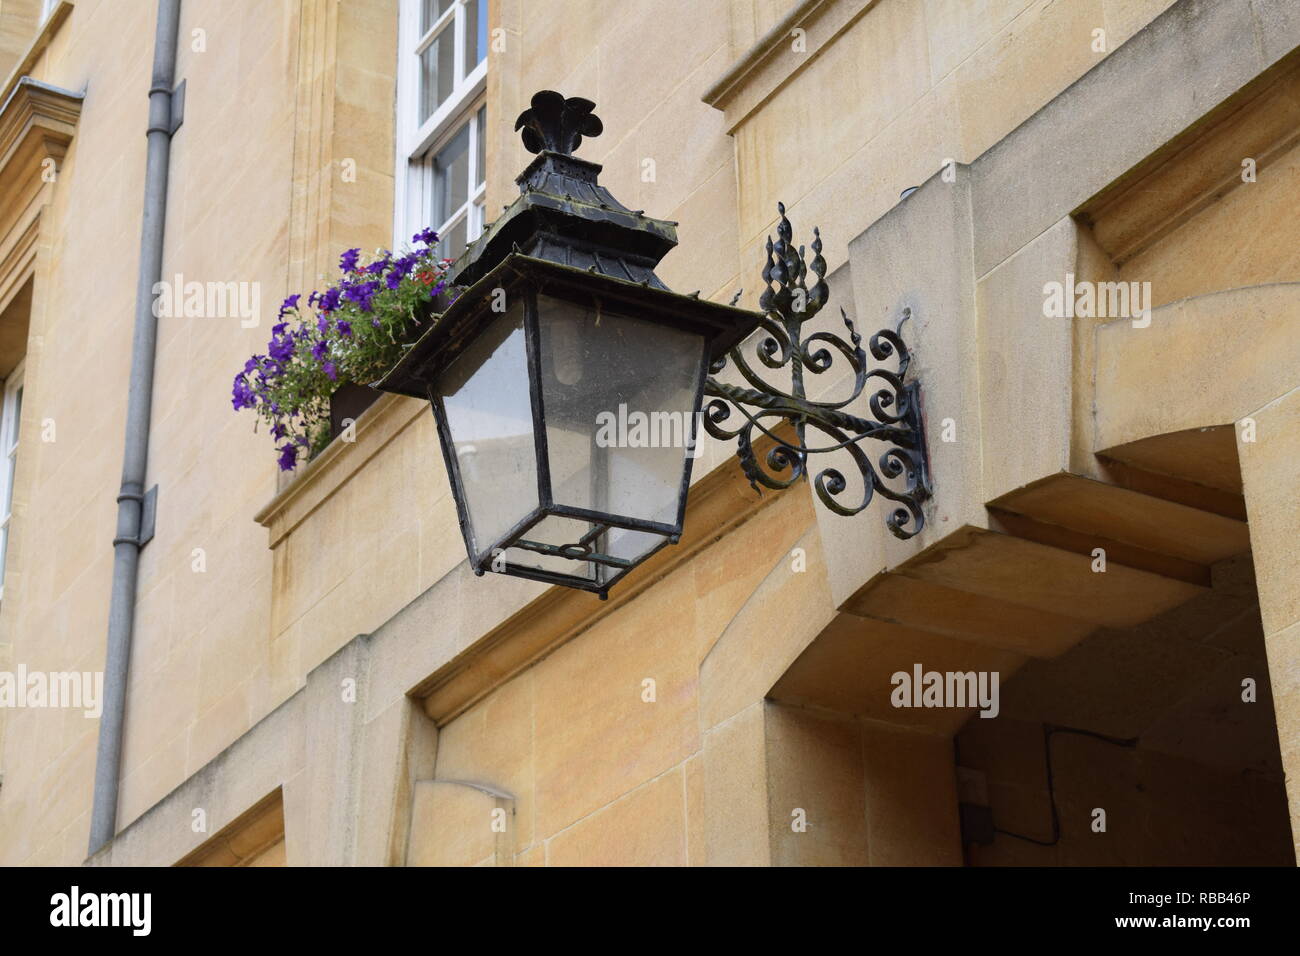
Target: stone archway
1210,394
1163,731
1170,485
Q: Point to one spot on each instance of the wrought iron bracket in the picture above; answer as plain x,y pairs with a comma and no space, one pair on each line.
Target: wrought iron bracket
787,303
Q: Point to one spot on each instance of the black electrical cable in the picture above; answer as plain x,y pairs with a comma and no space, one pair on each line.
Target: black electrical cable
1049,730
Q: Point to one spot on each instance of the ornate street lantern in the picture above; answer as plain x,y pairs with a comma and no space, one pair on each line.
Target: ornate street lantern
566,379
565,376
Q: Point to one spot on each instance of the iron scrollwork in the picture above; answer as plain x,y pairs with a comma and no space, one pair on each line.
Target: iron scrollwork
787,303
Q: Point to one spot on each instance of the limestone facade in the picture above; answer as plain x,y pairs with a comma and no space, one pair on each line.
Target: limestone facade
318,671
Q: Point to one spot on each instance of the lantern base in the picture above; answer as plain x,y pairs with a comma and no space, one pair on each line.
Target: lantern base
575,548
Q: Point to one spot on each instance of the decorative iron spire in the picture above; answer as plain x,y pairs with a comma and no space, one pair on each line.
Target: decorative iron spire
788,303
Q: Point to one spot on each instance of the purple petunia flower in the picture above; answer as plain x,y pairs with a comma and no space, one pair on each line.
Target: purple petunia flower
362,294
402,265
280,348
300,346
242,396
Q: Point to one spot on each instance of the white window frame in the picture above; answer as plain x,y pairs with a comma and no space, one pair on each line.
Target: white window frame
10,418
417,143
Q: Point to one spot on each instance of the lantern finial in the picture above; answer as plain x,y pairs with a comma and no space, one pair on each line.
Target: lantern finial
557,124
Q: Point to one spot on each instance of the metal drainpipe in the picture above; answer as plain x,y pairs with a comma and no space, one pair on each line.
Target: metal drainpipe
130,500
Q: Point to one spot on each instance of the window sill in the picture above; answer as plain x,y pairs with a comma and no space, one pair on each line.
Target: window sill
329,471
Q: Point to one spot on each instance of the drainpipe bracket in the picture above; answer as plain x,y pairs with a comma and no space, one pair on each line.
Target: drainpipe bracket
148,515
178,109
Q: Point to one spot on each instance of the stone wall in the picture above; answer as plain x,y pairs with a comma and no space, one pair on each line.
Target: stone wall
1030,136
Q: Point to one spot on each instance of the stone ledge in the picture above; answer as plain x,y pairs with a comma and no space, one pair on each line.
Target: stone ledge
1199,166
38,47
329,471
718,504
757,74
244,838
1191,59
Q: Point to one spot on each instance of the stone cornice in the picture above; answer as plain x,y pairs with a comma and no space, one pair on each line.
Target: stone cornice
35,112
1198,166
37,122
770,63
39,44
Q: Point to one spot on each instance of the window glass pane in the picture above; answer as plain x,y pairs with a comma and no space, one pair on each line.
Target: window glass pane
432,10
451,177
437,72
453,240
480,162
13,399
475,33
476,219
17,417
10,468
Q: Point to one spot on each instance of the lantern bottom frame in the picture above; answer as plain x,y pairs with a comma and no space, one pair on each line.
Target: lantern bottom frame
517,538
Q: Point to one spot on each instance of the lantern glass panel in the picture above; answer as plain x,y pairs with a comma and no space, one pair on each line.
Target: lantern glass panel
489,416
618,397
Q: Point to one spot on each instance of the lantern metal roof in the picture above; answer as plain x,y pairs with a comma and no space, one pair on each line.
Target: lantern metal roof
567,231
453,330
